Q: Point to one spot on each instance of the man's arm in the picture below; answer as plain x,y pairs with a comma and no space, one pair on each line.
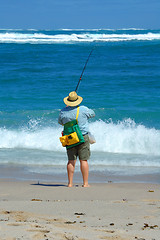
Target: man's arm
89,113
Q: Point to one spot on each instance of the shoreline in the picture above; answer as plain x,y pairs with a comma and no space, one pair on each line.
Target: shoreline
112,211
22,173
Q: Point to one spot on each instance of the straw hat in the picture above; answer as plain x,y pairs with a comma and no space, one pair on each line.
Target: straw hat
73,99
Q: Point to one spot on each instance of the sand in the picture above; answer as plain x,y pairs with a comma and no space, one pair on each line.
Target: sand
113,211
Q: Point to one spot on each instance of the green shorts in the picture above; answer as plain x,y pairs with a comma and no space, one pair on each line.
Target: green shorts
82,150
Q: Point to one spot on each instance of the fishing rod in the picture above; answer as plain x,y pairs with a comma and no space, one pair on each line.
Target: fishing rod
84,69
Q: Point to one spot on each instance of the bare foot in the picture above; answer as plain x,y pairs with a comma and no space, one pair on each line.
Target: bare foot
85,185
70,185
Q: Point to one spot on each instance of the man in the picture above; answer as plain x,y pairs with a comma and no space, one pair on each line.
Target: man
82,150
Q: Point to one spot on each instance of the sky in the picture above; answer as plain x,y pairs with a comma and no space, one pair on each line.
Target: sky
79,14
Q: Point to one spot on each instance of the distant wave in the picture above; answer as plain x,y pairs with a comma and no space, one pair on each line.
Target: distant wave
99,29
42,38
74,29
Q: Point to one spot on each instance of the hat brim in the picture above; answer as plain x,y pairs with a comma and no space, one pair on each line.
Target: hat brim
73,103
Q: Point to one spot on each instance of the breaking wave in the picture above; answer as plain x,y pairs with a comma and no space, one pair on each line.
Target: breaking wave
122,137
65,37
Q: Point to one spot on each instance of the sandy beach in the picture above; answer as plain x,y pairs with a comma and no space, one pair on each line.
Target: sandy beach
113,211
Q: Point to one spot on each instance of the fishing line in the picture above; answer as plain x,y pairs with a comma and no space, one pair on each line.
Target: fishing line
84,69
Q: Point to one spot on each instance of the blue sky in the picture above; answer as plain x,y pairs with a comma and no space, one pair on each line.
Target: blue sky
55,14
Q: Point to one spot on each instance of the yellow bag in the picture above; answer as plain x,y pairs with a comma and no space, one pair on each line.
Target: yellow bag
69,139
72,138
63,140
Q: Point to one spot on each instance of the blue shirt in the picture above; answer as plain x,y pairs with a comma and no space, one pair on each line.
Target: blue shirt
68,114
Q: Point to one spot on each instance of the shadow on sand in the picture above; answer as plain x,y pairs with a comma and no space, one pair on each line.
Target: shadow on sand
49,185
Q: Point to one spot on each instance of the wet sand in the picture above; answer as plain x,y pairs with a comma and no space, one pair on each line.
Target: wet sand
113,211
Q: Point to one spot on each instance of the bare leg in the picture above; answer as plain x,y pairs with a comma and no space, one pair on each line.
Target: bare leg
70,169
85,172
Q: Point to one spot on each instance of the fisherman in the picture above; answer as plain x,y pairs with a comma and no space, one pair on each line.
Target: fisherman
71,112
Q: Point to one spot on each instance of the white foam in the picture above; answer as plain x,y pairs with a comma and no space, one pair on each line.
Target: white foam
125,137
42,139
124,143
41,38
122,137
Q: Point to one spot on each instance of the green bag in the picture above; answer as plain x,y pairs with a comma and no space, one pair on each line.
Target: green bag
72,127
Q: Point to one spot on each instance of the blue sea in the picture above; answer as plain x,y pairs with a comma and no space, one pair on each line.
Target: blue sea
121,83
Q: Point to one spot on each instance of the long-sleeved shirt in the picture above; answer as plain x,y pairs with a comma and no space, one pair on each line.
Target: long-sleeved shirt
68,114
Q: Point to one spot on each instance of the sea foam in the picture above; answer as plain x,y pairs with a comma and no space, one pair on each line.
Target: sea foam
42,38
122,137
125,137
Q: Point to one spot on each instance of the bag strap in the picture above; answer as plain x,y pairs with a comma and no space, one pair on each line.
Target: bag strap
77,114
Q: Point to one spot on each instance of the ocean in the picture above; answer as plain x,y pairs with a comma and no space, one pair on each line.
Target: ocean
121,83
